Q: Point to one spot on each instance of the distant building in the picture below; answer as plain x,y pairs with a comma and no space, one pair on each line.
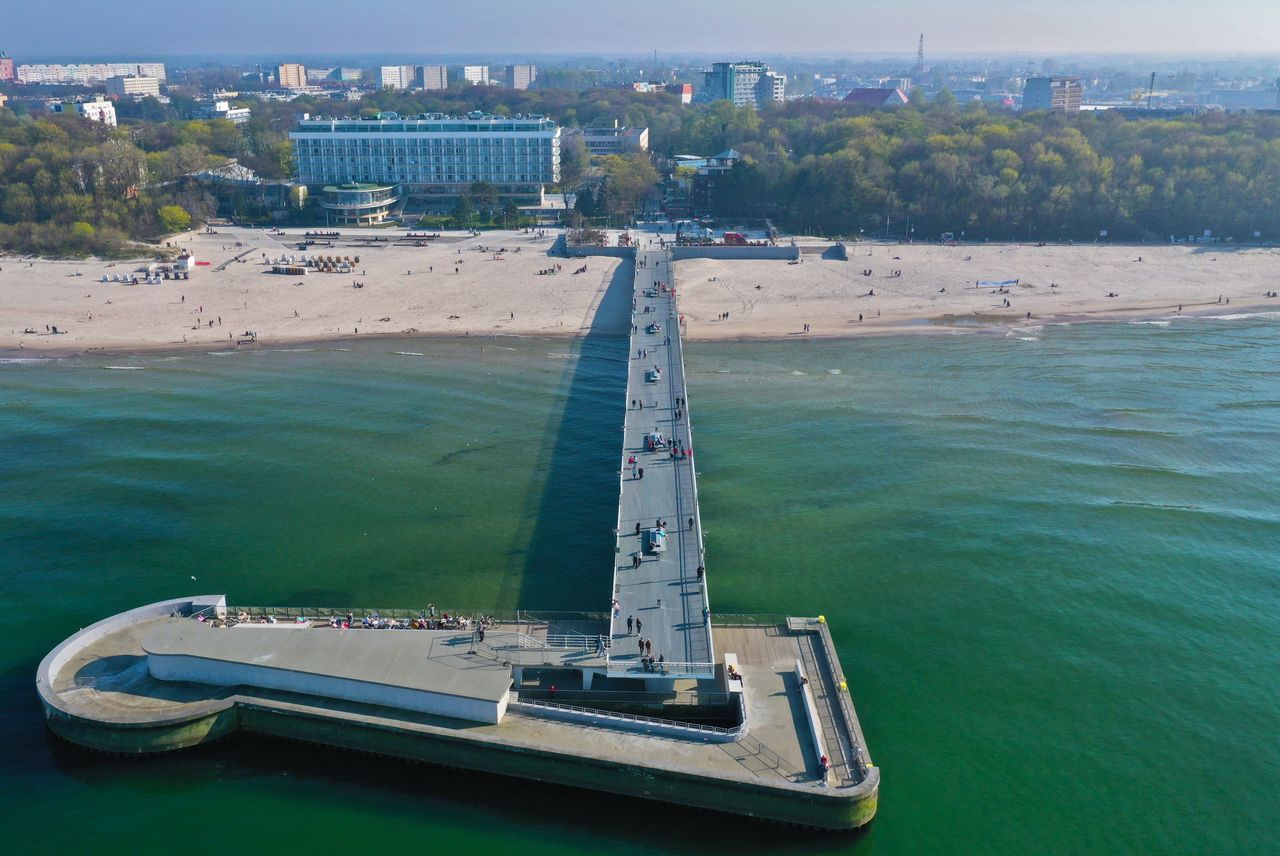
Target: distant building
431,155
4,99
291,75
221,110
434,77
709,172
7,71
84,74
319,75
521,76
746,84
396,76
1057,94
877,98
683,91
615,140
97,110
1244,99
347,75
133,87
476,74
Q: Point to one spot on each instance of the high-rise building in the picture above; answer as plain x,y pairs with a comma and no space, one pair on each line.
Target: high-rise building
477,74
7,71
746,84
435,77
431,155
396,76
88,73
133,87
1057,94
521,76
291,75
347,75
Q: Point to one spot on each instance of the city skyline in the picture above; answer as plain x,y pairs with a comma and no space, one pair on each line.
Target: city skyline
489,27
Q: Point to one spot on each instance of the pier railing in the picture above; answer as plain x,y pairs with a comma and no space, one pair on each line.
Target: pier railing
672,668
630,721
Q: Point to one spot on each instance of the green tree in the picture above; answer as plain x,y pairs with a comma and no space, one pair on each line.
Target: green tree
462,211
174,218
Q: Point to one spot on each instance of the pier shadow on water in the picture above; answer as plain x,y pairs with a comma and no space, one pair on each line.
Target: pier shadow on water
566,562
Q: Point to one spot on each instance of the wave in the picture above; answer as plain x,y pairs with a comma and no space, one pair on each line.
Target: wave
1151,323
799,373
1237,405
1166,506
834,371
23,360
1241,316
125,368
411,353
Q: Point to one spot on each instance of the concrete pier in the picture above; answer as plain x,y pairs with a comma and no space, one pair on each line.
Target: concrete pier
765,727
662,589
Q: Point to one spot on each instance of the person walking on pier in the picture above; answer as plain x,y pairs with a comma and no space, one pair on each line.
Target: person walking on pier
639,626
640,642
690,522
648,646
630,621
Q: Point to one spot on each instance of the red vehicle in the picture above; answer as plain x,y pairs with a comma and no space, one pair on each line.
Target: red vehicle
735,239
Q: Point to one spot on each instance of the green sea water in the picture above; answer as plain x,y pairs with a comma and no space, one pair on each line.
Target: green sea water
1051,564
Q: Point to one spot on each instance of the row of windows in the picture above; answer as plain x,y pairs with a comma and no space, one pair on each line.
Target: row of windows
496,162
486,143
418,178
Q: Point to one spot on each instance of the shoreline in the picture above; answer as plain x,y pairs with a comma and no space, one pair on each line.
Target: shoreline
510,284
899,327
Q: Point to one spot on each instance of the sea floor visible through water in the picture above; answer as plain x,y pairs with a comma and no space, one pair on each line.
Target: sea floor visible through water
1049,561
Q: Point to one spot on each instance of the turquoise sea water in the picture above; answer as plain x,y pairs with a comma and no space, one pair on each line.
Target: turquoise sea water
1051,565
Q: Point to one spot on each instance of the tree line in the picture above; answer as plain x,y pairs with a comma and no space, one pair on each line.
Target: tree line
68,186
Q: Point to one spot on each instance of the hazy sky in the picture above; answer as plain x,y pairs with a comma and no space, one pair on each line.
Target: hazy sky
736,28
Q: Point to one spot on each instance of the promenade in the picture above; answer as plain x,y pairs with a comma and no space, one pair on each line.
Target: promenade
663,590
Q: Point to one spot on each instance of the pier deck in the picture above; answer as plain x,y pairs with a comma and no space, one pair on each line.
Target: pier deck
664,592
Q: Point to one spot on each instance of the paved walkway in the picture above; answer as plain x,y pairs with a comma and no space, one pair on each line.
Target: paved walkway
664,593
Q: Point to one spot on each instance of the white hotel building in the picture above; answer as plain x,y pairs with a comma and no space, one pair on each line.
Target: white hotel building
431,155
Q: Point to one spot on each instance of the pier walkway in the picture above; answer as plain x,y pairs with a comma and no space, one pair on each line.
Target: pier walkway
665,591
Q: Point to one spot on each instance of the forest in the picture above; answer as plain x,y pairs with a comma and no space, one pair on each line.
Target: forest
71,187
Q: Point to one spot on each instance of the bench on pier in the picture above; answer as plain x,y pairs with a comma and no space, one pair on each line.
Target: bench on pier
815,724
731,668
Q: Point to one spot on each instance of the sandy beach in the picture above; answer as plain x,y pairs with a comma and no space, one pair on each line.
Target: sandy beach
458,285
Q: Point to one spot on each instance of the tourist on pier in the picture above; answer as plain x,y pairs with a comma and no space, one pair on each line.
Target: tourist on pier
701,570
639,625
640,642
630,621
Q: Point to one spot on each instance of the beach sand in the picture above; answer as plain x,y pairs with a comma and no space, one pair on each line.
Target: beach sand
410,290
771,299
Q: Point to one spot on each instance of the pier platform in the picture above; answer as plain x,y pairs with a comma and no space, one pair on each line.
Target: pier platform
98,690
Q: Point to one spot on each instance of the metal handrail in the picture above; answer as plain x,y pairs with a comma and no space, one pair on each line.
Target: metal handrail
668,667
634,717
